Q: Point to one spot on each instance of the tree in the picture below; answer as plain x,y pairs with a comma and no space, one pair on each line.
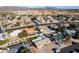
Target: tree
34,18
78,36
17,24
19,18
60,29
23,50
73,26
12,17
46,18
23,34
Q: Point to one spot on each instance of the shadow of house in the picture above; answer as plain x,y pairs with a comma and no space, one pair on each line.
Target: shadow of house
71,49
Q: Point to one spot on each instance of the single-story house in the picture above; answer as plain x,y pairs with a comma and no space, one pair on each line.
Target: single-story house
15,33
29,30
41,41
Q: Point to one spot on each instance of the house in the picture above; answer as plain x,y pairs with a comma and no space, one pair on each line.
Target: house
77,30
48,31
29,30
59,38
71,32
1,30
4,36
41,41
15,33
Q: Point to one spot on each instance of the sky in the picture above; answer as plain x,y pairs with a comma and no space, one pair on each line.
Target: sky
68,4
61,7
68,7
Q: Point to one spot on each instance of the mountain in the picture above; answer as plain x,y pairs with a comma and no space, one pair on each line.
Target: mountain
5,8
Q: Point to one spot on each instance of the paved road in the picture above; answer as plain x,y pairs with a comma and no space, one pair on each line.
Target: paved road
20,27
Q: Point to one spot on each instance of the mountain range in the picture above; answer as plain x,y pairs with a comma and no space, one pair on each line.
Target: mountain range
4,8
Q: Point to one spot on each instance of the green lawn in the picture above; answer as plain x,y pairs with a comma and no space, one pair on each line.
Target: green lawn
2,42
32,38
23,34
